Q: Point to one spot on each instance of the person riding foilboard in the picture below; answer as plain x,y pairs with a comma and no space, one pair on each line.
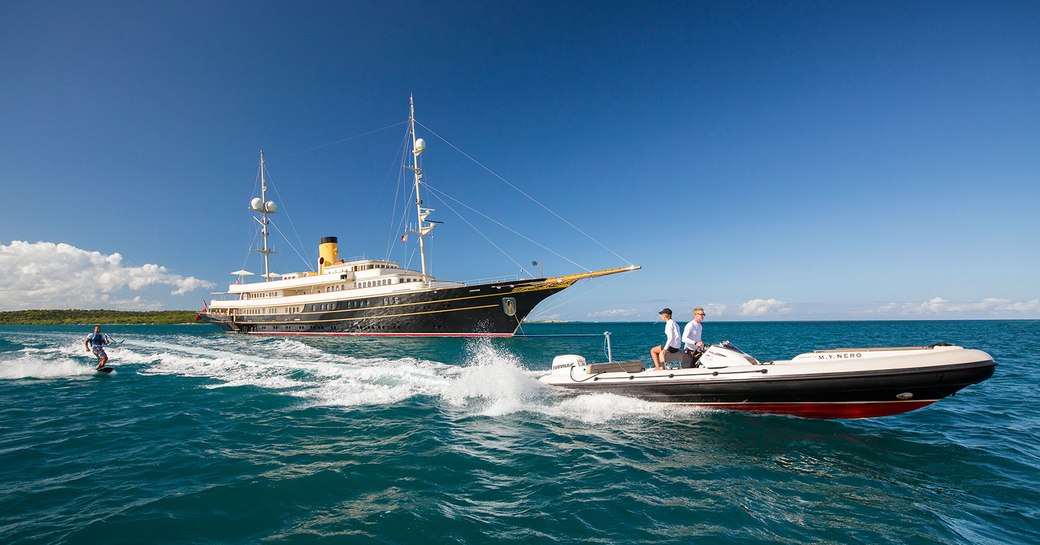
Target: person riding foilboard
95,343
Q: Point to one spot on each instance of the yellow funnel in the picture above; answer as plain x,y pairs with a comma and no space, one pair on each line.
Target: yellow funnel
328,250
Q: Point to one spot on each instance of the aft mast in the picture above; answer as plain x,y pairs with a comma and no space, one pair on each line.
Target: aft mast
264,207
424,226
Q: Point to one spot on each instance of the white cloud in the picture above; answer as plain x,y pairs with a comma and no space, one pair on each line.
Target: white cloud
1023,306
939,306
716,309
544,317
613,313
49,275
761,307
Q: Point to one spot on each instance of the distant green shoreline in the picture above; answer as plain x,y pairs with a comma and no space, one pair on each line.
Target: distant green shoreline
95,317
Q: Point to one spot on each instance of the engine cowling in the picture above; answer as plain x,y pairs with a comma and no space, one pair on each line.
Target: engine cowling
561,365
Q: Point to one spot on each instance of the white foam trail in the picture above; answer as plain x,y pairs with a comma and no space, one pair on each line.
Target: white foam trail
493,382
28,366
599,408
382,384
229,370
323,378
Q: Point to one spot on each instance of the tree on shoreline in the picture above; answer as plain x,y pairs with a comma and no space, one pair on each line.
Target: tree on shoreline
87,317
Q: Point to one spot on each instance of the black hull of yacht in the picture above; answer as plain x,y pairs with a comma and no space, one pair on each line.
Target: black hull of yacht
834,395
484,310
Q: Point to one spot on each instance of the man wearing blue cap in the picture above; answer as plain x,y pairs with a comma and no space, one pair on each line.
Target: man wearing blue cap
671,344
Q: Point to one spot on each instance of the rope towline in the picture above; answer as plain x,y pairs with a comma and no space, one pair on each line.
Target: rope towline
567,335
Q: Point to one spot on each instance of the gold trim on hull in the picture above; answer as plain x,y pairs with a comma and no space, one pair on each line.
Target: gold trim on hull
540,287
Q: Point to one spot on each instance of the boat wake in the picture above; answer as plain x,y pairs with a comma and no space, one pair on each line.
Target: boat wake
31,366
488,381
495,382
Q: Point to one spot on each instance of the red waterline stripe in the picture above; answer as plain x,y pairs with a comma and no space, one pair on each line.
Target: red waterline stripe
836,409
305,334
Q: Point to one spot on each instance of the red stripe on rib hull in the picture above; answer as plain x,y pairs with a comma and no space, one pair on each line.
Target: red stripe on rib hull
861,409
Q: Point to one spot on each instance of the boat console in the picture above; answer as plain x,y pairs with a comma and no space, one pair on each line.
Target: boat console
725,354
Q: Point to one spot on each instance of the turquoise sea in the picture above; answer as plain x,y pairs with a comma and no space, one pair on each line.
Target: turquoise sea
202,437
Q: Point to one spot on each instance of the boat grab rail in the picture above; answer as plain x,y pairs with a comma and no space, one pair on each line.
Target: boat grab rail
633,376
493,279
880,349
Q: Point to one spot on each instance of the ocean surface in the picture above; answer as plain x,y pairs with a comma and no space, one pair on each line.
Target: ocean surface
203,437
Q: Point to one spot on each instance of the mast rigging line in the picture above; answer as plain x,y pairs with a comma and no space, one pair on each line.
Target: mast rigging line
522,192
285,210
598,285
269,181
275,225
403,153
249,248
342,140
253,231
437,194
442,195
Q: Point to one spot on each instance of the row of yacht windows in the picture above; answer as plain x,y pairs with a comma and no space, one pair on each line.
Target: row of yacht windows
371,266
359,303
259,311
344,305
329,289
262,294
385,282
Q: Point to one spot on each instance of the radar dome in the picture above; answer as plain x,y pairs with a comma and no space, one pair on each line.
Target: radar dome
271,208
420,146
256,203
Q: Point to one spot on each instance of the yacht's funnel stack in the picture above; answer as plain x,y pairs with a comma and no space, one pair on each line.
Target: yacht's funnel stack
328,252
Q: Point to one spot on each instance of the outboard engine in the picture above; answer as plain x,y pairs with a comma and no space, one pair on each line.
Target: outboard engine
561,365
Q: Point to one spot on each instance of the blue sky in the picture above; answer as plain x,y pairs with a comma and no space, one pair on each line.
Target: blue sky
802,160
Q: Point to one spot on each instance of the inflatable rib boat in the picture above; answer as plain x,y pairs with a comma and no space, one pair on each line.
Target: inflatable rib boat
840,383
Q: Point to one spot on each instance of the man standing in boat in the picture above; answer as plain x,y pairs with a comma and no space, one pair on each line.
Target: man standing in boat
95,343
671,344
691,338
